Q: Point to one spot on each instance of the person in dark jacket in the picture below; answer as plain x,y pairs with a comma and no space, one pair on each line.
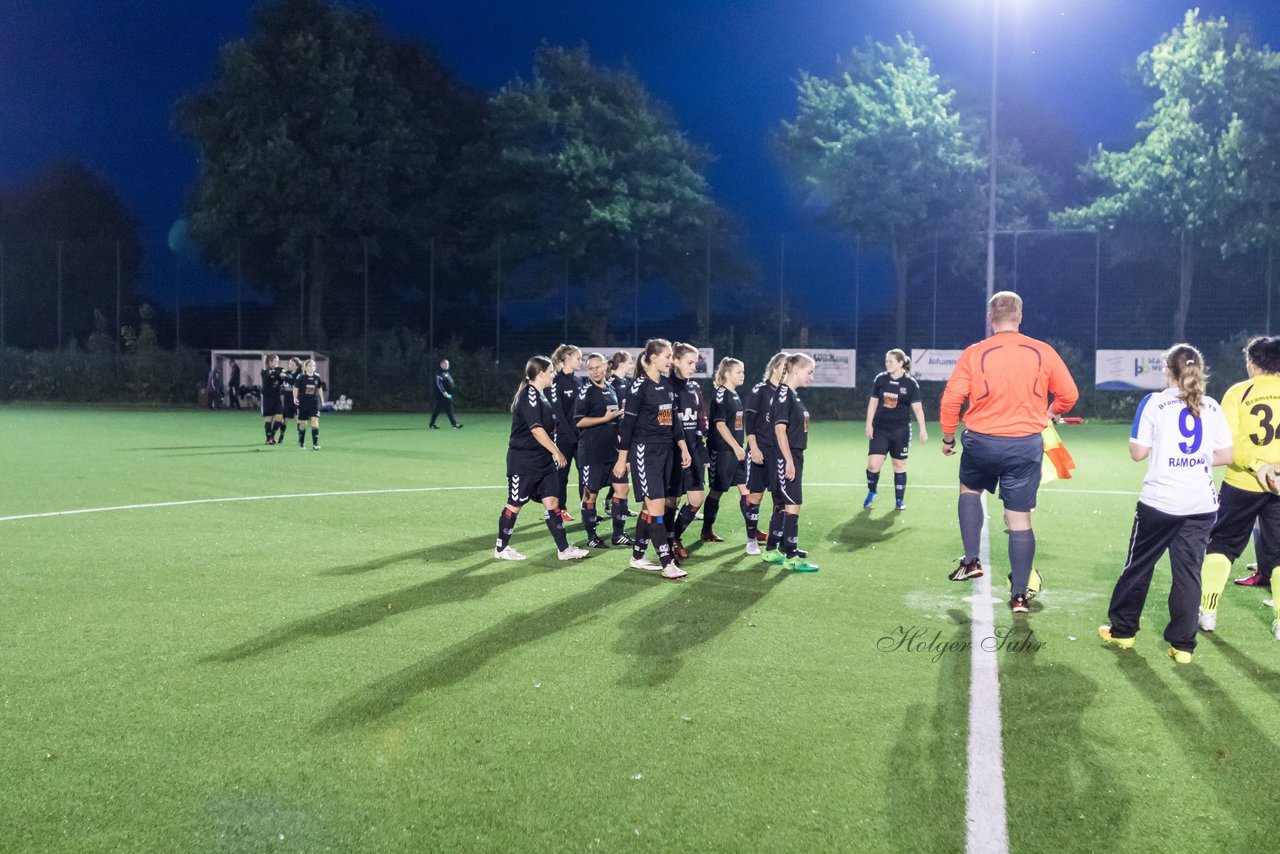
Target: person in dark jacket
443,388
233,387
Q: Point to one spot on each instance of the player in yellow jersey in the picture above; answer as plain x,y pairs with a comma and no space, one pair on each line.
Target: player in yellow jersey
1252,409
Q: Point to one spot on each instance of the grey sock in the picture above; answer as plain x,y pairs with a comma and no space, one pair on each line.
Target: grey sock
970,510
1022,552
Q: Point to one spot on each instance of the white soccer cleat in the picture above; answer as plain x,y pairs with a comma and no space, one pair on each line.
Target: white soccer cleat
572,553
645,564
1208,621
1275,628
1268,603
753,547
507,553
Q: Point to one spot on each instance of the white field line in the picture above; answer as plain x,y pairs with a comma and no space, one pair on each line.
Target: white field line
228,500
987,831
286,496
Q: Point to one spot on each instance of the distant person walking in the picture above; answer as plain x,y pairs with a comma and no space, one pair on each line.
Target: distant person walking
443,388
233,387
1007,380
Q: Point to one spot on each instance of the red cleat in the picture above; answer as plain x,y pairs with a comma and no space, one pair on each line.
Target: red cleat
680,552
565,517
1254,580
271,441
762,536
710,537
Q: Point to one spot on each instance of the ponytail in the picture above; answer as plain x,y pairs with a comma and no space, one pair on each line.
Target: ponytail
617,359
902,357
652,347
1264,352
778,359
793,362
1187,367
533,367
561,353
727,364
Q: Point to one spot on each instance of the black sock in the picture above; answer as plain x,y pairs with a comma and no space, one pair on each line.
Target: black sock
670,529
687,514
589,519
642,536
751,513
315,436
710,510
790,534
619,509
302,435
506,527
899,485
661,540
278,427
556,526
266,428
873,480
775,528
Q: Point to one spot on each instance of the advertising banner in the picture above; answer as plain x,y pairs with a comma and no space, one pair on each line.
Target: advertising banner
935,365
833,368
1129,370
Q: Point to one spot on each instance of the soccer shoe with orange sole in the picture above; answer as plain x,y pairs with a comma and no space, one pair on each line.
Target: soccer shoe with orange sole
1104,632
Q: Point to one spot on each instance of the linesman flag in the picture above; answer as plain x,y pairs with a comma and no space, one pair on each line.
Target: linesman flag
1058,463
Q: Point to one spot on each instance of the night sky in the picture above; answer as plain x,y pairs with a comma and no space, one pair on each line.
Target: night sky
96,82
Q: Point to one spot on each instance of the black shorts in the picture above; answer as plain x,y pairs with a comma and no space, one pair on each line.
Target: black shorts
531,484
760,477
289,408
308,410
726,470
893,442
1237,508
595,477
651,470
692,479
1011,462
789,491
270,405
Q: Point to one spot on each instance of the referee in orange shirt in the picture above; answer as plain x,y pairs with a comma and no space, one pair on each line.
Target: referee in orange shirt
1008,380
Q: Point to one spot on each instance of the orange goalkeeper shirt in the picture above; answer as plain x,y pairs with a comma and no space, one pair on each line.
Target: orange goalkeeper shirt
1007,380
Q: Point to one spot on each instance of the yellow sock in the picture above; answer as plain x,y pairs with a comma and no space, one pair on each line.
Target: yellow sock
1275,593
1213,580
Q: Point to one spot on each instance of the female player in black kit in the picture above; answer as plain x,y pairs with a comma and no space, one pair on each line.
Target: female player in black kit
895,397
790,421
533,462
270,400
596,416
564,398
761,447
308,397
293,370
620,365
689,482
650,434
726,448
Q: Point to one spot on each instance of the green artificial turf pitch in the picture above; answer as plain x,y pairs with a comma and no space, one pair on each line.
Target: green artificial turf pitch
353,672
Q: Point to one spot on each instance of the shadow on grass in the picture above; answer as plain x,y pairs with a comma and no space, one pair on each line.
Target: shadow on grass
695,612
431,554
925,790
468,656
239,446
239,449
460,585
1264,677
863,530
1061,785
1236,754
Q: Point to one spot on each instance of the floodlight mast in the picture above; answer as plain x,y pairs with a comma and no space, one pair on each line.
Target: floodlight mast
991,181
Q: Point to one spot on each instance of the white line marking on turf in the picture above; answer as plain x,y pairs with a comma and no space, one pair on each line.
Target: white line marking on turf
230,499
952,487
986,829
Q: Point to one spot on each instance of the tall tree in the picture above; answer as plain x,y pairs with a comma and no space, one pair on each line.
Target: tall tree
318,132
1190,173
880,154
66,223
590,166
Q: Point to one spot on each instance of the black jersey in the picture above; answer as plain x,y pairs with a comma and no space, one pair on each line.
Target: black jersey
598,444
895,399
691,409
650,415
523,450
272,381
309,388
789,410
726,408
758,413
289,381
564,397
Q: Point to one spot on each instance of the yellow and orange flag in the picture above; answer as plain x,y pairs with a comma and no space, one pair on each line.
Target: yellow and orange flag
1058,463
